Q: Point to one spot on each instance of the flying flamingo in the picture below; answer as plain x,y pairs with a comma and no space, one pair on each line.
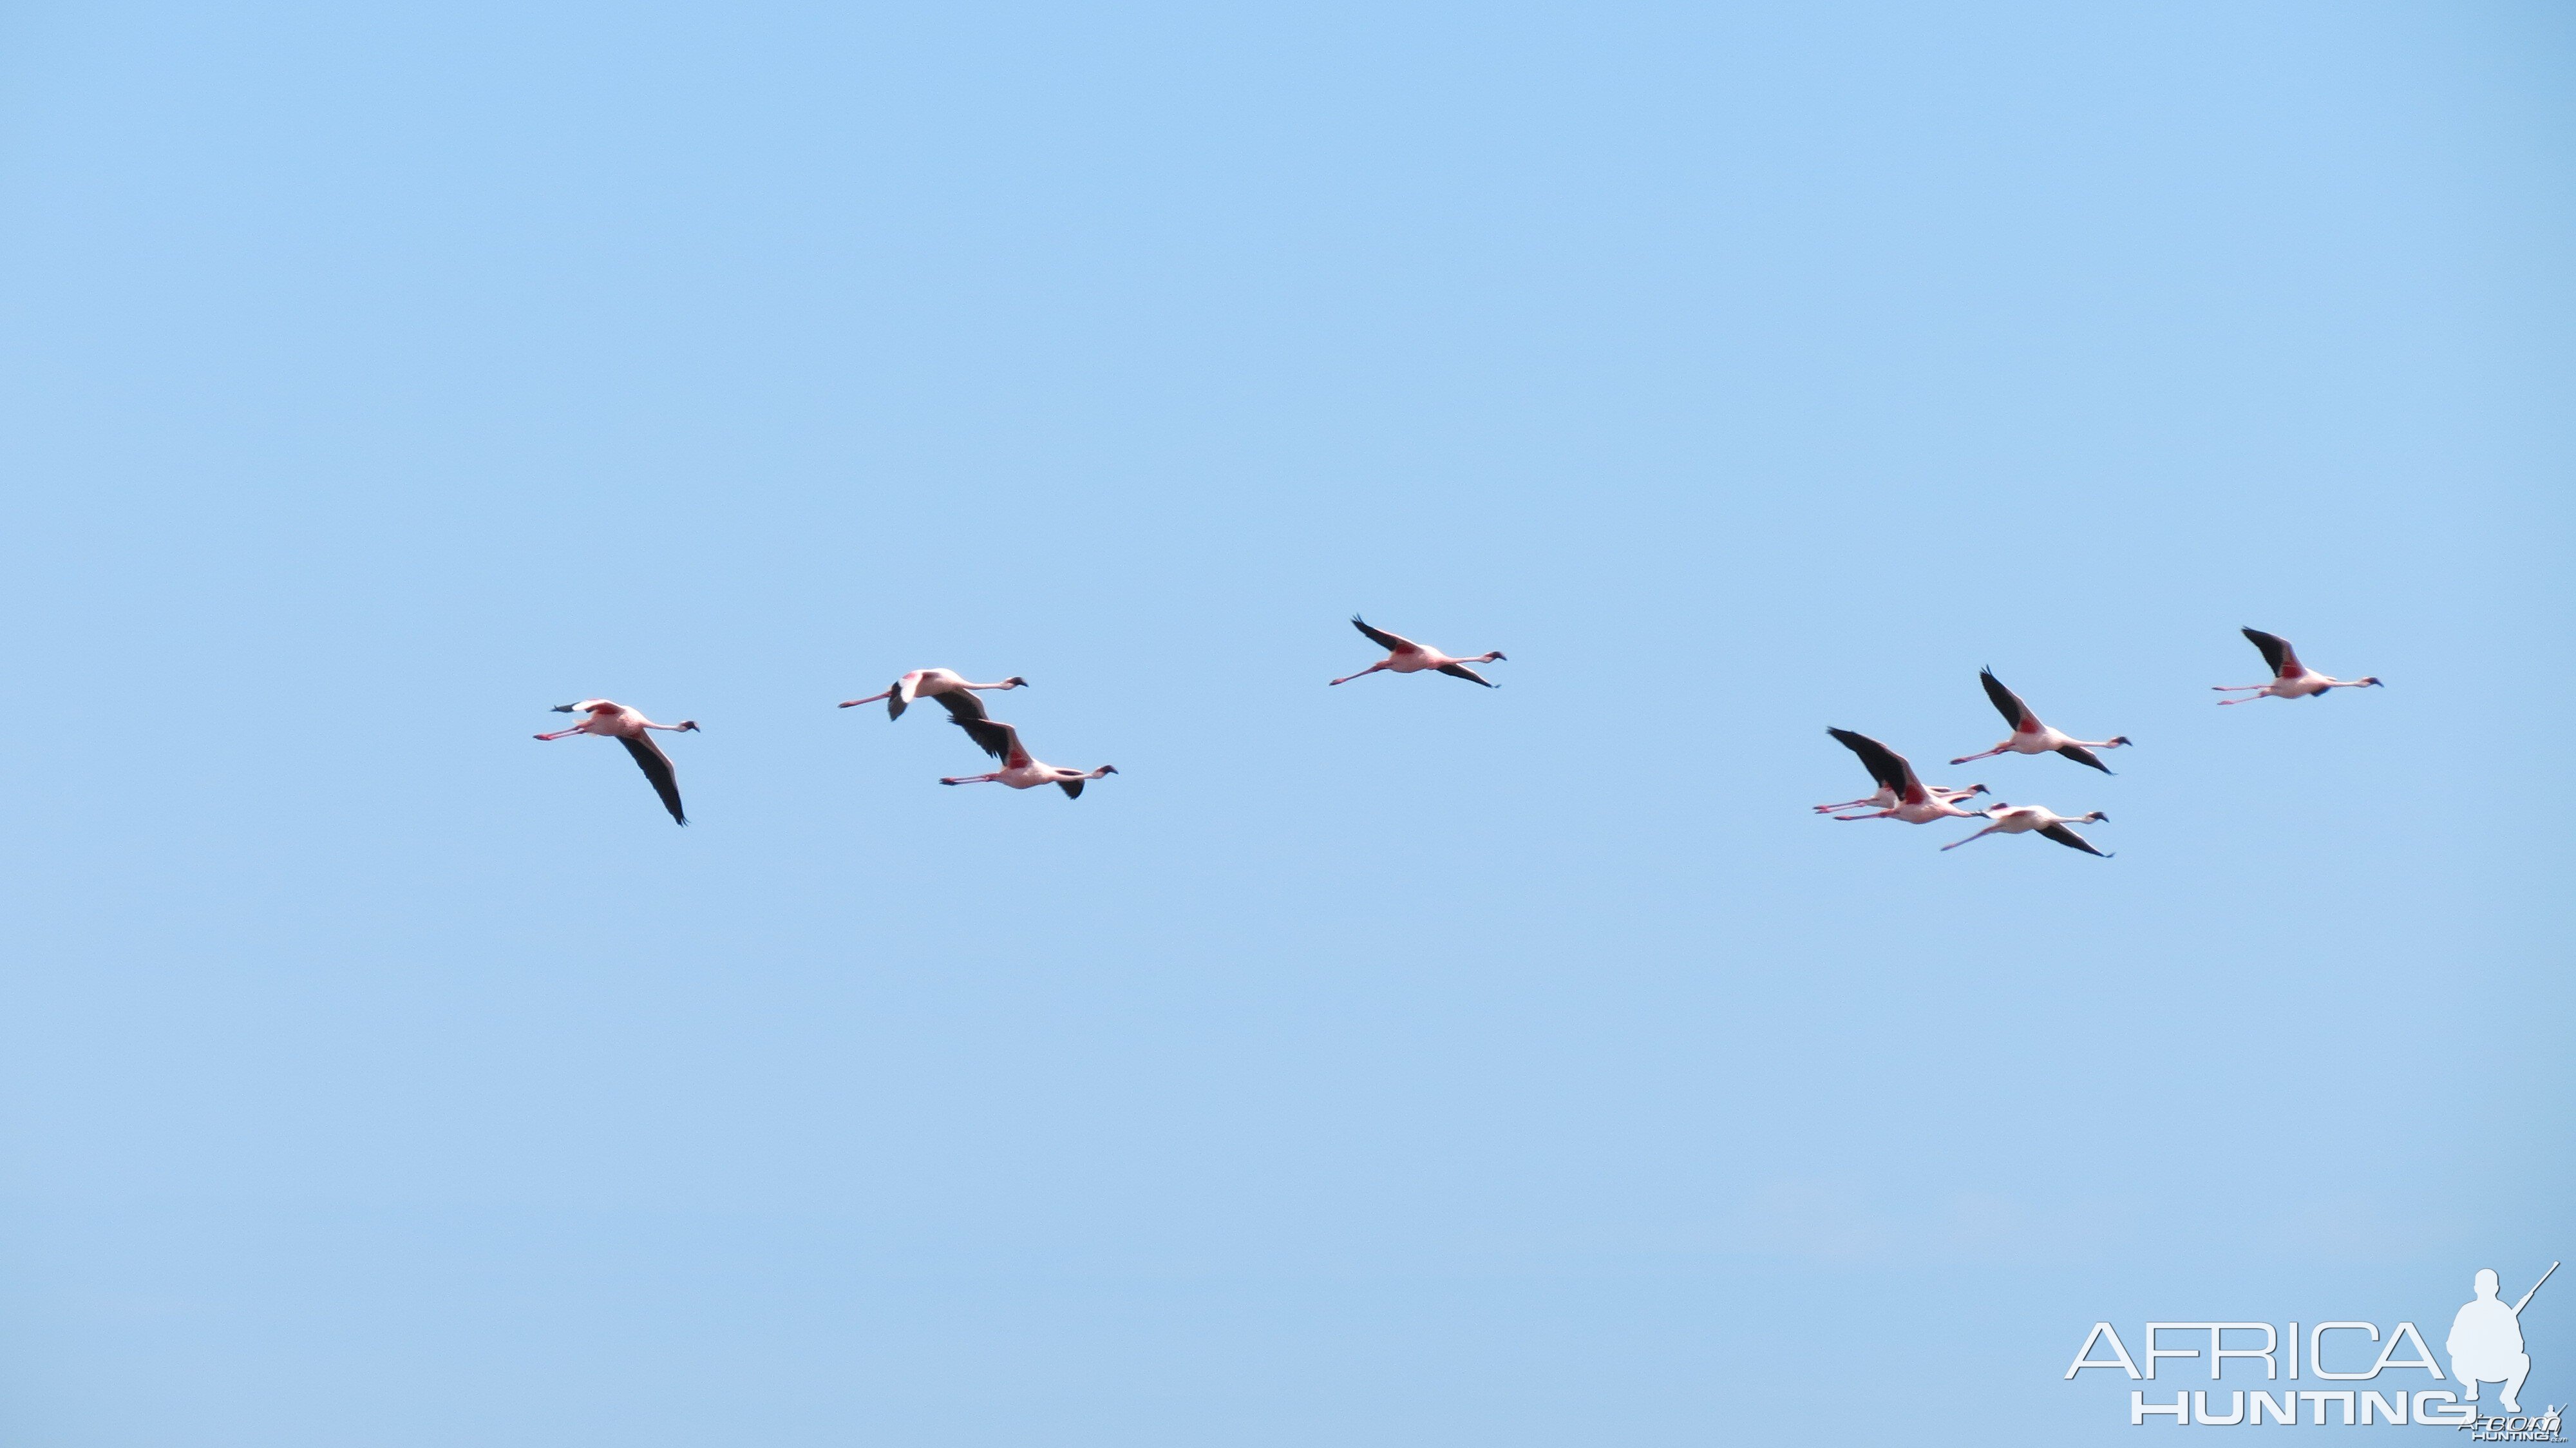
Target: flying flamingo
1911,802
1019,770
1885,797
927,683
2020,819
1404,656
2029,736
2290,678
629,727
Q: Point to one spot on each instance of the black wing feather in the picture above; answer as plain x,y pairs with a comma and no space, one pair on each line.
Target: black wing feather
2007,703
962,705
1884,764
2082,755
991,736
2276,649
657,768
1072,788
2070,839
1461,671
1392,643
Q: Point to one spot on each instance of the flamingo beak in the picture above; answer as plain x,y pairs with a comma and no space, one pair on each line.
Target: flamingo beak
563,708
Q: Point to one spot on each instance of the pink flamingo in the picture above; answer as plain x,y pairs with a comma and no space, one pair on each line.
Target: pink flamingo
1885,798
927,683
1912,803
2290,678
628,727
2018,819
1002,741
2029,736
1404,656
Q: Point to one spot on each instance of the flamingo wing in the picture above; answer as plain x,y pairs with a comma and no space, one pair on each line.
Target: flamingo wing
2082,755
657,768
2277,652
963,704
899,698
2070,839
2007,703
993,737
1072,788
1392,643
1461,671
1884,764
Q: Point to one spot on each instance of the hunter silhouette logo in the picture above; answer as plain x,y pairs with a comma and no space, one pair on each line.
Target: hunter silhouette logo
2486,1342
2485,1345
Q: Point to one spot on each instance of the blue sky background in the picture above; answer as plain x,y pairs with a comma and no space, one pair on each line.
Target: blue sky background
1396,1064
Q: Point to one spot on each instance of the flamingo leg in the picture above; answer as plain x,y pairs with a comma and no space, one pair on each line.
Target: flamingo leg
1979,835
560,733
872,698
1362,674
1989,754
972,779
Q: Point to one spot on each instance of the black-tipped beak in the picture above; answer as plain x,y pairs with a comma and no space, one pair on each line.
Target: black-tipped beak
563,708
1501,658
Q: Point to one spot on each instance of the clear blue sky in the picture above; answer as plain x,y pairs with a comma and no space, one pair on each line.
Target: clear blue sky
1397,1064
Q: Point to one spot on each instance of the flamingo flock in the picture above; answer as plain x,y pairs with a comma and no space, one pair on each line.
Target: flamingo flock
1902,796
1899,794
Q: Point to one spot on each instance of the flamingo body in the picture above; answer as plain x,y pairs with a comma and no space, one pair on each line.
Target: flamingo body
2018,819
612,720
1885,798
928,684
1910,799
1020,769
1404,656
2030,736
2290,678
